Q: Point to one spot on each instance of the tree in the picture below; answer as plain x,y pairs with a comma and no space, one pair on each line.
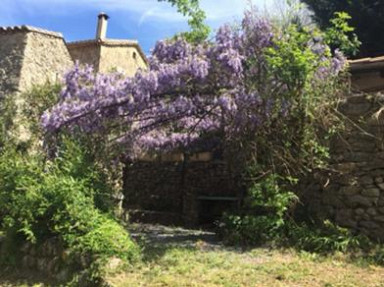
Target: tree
190,8
367,18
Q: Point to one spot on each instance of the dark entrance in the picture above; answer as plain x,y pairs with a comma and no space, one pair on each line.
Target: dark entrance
211,208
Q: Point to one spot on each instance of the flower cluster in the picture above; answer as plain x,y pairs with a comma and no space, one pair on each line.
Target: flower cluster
189,92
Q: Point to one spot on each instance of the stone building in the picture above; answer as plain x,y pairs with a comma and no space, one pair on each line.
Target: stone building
32,56
108,54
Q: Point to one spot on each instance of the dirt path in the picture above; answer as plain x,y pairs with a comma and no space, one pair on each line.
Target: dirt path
171,236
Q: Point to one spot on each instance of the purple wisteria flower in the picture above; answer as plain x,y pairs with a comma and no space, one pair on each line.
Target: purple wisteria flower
189,93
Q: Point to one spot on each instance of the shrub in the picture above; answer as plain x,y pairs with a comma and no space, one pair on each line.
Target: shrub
263,215
264,219
41,200
249,230
322,239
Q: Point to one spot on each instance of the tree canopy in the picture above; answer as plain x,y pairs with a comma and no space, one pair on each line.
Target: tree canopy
191,9
367,18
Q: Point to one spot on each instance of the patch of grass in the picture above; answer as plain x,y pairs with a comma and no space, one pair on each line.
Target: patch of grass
202,266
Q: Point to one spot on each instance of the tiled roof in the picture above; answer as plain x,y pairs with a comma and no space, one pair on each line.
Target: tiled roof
24,28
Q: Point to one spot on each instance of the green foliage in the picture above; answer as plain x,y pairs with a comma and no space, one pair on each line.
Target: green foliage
80,163
293,61
269,195
35,101
249,230
265,218
25,115
378,255
40,200
68,198
340,35
322,239
297,143
290,147
264,214
367,16
7,112
190,8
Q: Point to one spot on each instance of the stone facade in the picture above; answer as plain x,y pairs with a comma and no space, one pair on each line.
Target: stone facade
107,55
87,53
11,50
122,55
30,56
352,193
46,59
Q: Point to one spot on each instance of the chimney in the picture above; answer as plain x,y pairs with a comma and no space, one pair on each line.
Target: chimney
102,24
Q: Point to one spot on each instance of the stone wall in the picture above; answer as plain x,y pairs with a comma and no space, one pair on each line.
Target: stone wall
48,258
87,53
173,191
46,59
352,192
368,81
107,55
122,57
51,260
30,56
12,46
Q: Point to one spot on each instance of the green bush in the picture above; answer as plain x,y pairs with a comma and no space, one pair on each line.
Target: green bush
322,239
40,200
264,218
263,214
249,230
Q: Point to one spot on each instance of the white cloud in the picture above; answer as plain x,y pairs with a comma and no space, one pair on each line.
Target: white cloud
144,10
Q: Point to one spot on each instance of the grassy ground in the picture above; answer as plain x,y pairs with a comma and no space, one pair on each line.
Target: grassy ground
206,266
181,258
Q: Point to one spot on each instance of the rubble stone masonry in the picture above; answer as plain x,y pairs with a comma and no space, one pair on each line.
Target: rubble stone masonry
352,192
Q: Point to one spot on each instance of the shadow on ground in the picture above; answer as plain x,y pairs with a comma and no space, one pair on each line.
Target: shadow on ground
157,239
174,236
23,278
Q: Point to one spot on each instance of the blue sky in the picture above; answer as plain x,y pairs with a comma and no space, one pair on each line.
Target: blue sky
144,20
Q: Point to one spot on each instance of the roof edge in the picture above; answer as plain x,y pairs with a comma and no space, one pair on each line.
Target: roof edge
365,64
25,28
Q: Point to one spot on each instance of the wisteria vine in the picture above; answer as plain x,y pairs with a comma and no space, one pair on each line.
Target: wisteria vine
192,94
